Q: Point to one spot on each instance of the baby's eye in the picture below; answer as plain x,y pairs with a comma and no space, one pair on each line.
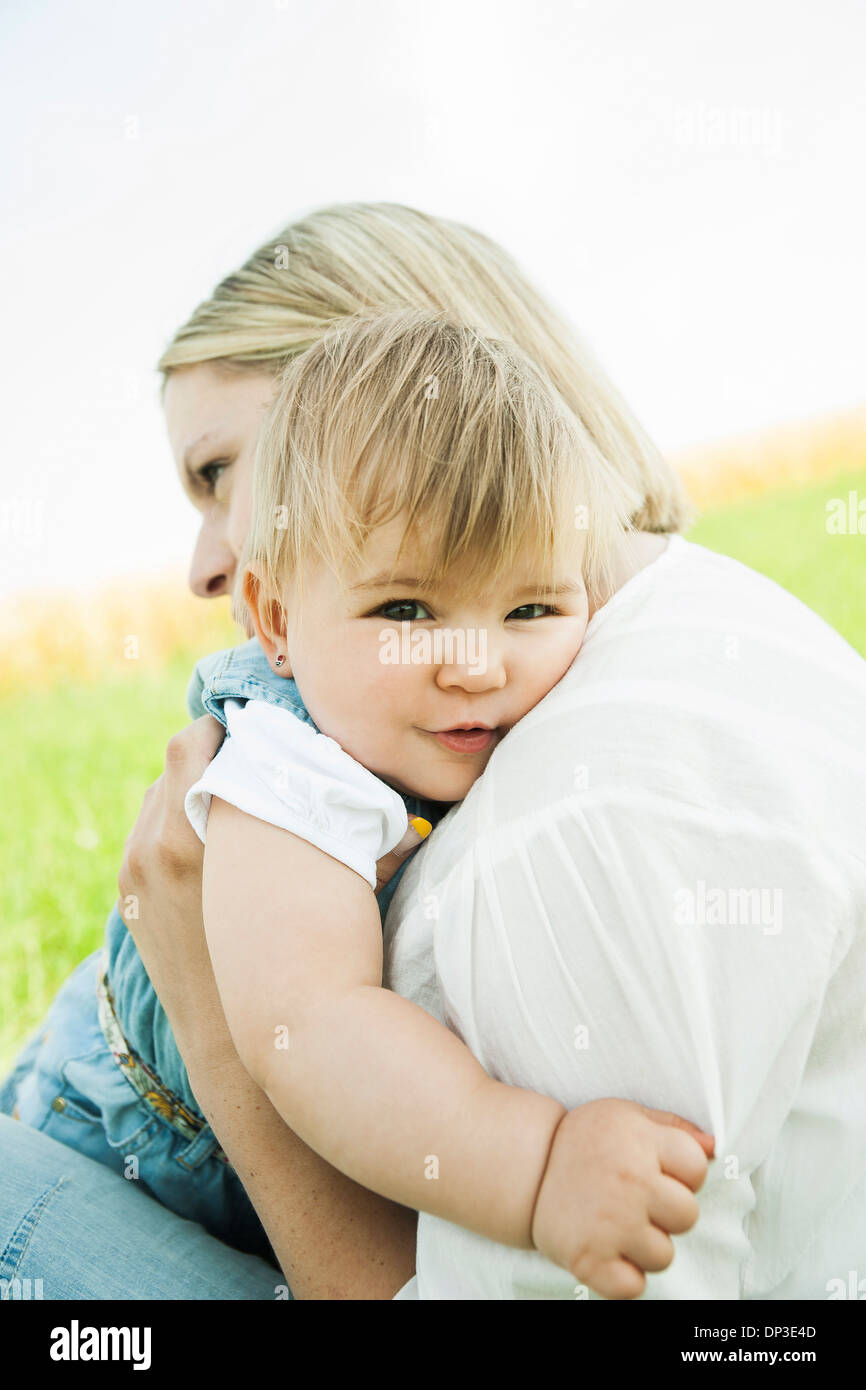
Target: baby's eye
522,609
404,604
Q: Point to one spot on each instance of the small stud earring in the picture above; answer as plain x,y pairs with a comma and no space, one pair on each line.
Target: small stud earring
280,660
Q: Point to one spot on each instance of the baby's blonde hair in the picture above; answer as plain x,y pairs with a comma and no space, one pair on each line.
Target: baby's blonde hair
366,258
413,414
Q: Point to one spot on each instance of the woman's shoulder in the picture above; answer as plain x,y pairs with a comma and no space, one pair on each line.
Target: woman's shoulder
699,614
702,689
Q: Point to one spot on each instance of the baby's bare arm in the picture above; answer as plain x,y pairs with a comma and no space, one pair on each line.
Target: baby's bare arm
370,1081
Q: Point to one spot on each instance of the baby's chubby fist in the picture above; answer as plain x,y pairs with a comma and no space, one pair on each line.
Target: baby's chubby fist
620,1181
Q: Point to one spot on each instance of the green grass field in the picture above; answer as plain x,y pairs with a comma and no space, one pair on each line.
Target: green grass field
783,534
79,756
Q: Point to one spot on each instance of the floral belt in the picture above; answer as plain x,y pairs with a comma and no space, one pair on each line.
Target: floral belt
140,1076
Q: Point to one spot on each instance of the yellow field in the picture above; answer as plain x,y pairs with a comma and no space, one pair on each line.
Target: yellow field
132,625
787,457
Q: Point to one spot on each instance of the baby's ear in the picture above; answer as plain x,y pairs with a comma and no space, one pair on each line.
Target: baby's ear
267,618
249,588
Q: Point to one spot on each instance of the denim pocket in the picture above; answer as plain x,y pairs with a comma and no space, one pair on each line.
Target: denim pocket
76,1108
73,1090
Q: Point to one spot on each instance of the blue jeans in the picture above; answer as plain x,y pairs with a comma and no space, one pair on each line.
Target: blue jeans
69,1228
66,1084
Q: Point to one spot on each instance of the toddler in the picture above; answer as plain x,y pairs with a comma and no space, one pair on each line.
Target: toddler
431,531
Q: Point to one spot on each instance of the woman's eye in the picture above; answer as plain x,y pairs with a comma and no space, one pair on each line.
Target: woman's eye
405,603
210,472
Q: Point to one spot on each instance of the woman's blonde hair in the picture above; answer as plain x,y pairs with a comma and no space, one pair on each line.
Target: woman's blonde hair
412,414
366,258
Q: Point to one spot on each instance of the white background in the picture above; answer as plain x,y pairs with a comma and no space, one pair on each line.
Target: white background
685,179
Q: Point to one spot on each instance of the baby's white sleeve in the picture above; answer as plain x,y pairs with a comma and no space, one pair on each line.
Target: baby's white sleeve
277,768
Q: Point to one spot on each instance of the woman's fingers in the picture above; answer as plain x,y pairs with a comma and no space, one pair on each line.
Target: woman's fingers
187,756
162,843
188,753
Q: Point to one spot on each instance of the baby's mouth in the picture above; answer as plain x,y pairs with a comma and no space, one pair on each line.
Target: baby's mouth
466,740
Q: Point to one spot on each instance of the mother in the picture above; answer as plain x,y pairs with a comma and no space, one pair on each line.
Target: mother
219,372
657,889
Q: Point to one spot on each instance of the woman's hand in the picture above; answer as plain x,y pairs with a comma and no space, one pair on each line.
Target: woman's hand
160,895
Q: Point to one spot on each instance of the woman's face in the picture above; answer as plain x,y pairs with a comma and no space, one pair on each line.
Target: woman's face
213,415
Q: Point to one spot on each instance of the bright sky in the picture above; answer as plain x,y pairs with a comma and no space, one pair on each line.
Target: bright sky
685,180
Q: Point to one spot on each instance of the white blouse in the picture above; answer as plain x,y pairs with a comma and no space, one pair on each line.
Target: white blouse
657,890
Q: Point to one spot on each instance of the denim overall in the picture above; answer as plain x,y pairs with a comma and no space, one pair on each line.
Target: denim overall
103,1074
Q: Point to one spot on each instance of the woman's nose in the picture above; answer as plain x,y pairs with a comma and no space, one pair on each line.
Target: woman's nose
213,563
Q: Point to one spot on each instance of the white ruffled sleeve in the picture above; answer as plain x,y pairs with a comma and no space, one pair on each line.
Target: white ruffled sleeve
277,768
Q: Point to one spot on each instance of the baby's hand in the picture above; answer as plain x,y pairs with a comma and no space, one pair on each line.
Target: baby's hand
620,1180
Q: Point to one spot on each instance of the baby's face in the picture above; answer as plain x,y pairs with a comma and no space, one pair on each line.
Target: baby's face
384,669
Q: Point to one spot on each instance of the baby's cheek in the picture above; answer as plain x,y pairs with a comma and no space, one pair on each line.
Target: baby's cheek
371,731
391,692
562,659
